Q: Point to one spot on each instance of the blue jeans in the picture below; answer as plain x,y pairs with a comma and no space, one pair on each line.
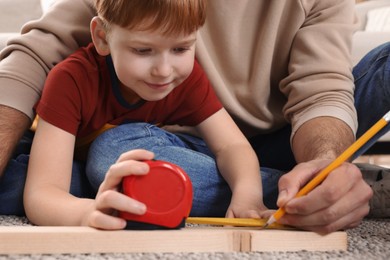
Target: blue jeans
211,193
372,92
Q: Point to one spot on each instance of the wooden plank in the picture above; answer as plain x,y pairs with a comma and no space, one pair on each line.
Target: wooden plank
60,240
256,239
68,240
285,240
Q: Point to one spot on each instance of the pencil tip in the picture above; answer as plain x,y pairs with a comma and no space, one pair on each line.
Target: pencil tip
270,221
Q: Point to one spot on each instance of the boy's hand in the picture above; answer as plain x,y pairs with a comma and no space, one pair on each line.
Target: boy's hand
109,199
246,205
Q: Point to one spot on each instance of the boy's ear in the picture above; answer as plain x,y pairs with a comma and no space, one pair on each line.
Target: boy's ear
99,36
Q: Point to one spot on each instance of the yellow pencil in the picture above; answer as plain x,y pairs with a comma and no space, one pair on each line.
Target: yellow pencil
336,163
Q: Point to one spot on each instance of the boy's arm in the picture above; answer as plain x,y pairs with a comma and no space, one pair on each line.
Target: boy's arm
47,199
28,58
237,163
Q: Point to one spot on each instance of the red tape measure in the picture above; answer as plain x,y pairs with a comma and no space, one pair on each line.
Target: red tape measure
167,193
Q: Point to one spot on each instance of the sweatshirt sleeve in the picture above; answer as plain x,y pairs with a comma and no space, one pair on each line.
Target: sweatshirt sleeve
320,80
28,58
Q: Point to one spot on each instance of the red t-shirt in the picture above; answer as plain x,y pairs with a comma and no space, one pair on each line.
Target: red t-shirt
81,96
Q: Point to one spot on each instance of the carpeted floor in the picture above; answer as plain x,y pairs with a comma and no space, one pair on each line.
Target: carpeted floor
371,240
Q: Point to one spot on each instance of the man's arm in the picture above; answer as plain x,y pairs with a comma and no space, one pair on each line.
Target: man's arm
321,109
321,138
28,58
13,123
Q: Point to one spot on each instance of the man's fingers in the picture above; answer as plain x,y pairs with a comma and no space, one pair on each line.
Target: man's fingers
341,201
293,181
311,223
339,191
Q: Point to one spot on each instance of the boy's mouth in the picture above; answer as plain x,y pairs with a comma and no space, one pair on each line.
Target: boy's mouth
159,85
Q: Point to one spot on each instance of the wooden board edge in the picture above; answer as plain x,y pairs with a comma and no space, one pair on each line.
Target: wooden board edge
73,240
276,240
66,240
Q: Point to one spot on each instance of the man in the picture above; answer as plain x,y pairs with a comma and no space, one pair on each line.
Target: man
281,68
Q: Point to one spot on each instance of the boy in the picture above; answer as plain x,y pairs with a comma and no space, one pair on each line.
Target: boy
139,72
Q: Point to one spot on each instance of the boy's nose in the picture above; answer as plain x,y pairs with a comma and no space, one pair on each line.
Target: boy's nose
162,68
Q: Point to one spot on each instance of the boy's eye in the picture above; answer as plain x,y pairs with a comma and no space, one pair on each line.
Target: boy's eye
142,51
180,49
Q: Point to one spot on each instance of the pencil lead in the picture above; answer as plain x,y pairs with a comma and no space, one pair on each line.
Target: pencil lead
270,221
264,226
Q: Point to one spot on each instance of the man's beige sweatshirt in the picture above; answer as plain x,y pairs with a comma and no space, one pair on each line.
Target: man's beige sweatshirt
272,62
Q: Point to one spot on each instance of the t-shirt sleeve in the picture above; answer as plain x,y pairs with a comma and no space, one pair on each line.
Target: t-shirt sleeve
60,102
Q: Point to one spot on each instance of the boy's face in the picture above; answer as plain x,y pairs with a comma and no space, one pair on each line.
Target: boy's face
148,64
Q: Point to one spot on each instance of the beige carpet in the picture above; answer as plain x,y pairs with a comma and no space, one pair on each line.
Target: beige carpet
371,240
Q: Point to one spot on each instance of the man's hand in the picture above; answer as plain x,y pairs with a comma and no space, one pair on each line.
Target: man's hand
340,202
13,124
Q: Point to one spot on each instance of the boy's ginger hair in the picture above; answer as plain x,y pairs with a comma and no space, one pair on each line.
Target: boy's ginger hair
167,16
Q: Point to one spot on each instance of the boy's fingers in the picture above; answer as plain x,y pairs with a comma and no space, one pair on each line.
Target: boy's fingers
107,222
137,154
127,164
119,170
113,200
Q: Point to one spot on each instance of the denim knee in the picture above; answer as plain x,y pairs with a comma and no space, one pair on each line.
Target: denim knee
106,148
376,59
372,87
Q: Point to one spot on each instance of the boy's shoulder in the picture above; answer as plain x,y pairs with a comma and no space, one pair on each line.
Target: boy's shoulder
84,61
86,56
